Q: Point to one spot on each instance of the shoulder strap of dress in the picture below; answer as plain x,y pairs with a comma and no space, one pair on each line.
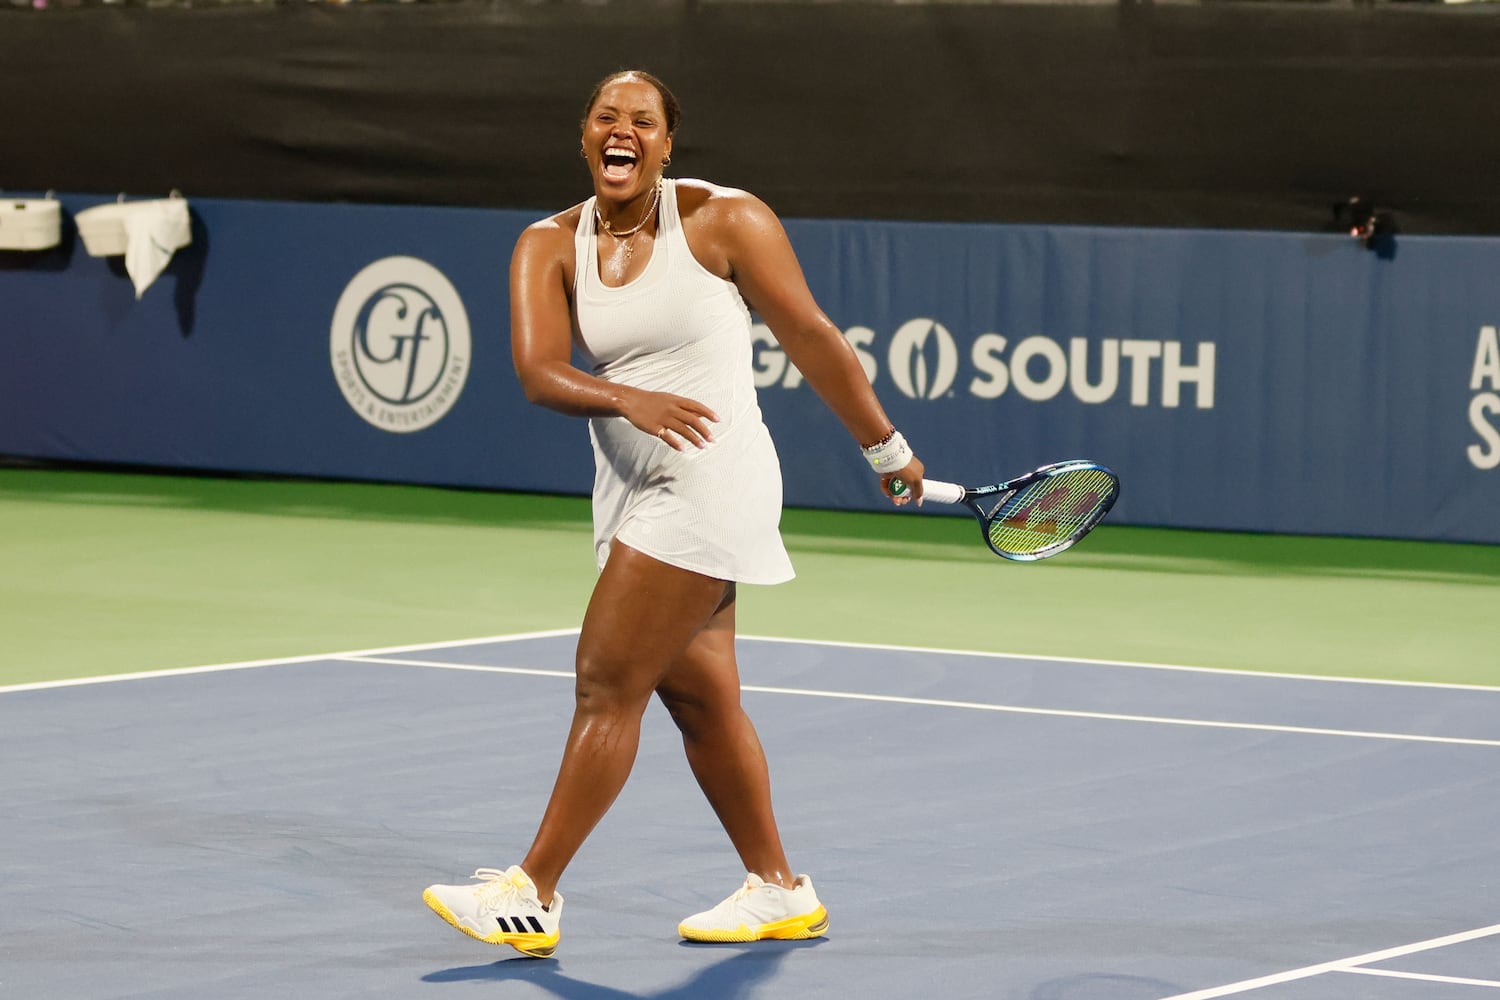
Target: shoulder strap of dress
671,216
583,244
586,218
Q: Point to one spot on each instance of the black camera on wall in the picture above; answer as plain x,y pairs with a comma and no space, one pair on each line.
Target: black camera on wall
1374,228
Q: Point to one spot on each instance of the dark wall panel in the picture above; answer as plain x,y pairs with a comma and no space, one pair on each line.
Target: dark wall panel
1235,116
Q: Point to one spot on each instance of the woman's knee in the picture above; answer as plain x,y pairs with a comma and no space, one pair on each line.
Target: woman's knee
685,712
606,682
697,714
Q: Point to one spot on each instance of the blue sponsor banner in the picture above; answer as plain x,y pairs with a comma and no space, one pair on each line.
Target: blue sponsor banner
274,344
1244,381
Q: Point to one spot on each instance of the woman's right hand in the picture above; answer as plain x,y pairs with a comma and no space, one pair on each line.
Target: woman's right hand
910,477
675,420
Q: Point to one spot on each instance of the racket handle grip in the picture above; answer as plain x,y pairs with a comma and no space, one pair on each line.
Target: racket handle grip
941,492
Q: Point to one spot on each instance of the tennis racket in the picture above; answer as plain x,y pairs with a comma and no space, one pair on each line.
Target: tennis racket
1037,515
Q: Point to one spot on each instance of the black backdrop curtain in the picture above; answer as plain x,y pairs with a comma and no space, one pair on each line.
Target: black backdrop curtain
1226,115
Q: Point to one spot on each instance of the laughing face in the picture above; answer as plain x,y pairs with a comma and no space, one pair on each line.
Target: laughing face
625,139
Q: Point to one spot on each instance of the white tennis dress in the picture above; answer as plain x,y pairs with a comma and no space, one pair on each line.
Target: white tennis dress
680,329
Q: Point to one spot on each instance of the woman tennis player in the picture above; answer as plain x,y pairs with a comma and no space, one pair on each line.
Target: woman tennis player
650,279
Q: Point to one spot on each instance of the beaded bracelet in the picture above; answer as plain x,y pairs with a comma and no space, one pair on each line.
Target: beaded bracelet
888,455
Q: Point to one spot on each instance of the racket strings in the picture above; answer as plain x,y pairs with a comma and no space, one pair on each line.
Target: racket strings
1051,511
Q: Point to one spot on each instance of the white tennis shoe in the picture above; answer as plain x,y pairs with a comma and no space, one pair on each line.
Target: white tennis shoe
502,909
758,910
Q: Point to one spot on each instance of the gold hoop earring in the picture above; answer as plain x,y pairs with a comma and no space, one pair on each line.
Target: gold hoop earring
666,160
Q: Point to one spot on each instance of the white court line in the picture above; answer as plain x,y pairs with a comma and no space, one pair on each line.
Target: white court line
556,633
1423,977
974,705
479,668
282,661
1340,965
1135,664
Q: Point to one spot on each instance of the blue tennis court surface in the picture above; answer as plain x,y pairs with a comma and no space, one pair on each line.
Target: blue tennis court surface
978,826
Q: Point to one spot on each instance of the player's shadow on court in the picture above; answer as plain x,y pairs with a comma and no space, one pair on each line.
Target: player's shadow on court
1104,984
729,979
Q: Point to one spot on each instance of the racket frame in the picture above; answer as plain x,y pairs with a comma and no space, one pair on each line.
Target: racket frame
971,497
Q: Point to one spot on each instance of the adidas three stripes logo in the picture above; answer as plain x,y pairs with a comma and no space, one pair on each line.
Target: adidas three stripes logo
515,925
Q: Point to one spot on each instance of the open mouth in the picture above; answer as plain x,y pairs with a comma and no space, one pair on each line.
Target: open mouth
618,163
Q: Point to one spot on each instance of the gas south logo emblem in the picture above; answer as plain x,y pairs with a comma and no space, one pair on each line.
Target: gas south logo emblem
400,344
924,359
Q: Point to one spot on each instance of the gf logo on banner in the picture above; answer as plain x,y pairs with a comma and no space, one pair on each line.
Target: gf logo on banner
400,344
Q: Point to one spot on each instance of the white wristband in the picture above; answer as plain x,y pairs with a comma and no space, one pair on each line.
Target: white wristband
889,455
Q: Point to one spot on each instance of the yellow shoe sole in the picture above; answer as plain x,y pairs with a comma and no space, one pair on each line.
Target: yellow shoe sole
531,945
809,925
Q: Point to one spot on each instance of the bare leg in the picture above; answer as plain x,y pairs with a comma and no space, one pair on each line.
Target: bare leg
702,693
642,615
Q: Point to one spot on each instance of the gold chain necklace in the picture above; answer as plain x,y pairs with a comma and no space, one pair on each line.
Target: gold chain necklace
625,237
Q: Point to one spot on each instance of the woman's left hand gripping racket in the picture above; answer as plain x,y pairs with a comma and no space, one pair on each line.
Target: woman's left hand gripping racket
1037,515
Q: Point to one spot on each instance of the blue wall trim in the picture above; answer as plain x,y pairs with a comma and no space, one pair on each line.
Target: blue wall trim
1249,381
